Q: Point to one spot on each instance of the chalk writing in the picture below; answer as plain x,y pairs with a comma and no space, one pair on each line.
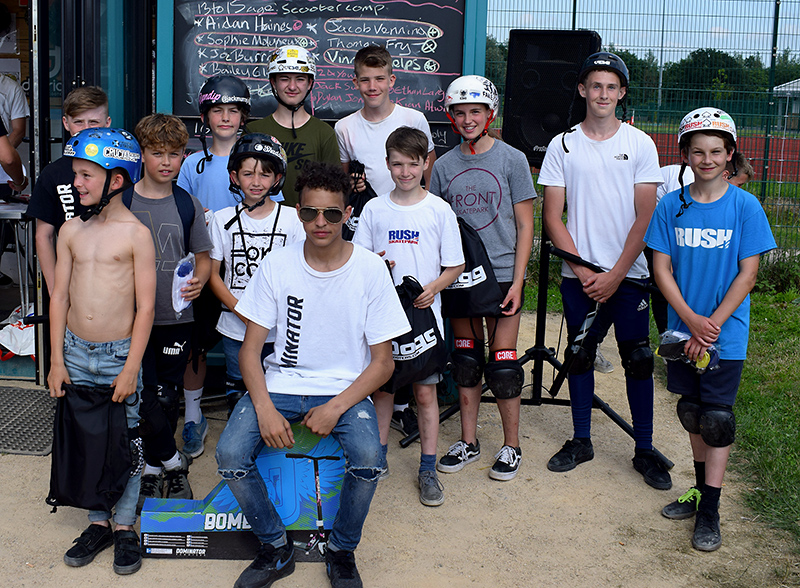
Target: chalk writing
236,37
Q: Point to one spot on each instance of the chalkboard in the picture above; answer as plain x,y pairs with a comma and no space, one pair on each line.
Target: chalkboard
235,37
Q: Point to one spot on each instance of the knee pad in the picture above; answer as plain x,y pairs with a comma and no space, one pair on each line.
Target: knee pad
689,414
504,375
583,362
717,425
637,359
169,396
467,362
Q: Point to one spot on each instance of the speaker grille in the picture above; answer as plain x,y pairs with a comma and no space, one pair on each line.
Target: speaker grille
541,79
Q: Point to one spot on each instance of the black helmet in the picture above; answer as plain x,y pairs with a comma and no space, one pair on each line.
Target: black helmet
605,60
260,146
224,90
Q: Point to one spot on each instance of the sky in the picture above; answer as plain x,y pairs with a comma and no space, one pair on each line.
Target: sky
735,26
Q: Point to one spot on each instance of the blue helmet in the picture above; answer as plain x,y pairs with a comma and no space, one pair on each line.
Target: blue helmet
108,148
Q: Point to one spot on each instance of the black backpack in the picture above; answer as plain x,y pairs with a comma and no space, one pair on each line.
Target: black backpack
91,459
357,200
475,293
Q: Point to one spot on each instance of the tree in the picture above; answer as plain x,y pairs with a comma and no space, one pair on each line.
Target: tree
787,68
496,58
643,74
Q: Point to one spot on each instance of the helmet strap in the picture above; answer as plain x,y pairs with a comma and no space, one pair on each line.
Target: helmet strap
107,196
684,205
201,165
471,142
292,108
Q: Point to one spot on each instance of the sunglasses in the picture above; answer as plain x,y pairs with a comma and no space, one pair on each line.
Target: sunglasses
309,214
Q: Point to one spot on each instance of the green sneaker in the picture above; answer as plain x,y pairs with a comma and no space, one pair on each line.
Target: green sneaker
683,508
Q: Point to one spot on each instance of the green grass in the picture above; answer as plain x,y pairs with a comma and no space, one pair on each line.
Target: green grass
768,410
767,449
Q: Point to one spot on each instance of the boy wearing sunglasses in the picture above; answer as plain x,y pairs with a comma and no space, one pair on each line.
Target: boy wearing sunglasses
242,235
308,294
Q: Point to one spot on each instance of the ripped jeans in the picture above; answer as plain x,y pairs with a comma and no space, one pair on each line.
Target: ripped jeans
357,433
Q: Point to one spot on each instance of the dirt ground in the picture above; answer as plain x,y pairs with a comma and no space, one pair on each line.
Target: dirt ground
597,526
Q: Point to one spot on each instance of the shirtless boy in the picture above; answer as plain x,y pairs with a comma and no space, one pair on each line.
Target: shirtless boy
102,310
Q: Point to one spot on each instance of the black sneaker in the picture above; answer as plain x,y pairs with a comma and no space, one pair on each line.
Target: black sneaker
177,481
92,541
6,281
341,568
507,464
683,508
707,535
460,454
653,470
573,453
271,563
127,553
405,421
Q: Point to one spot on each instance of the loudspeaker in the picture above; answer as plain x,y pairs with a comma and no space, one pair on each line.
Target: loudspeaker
541,82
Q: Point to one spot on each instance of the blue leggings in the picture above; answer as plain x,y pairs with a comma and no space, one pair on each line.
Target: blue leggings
628,310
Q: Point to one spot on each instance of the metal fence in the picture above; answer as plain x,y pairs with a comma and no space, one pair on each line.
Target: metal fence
740,55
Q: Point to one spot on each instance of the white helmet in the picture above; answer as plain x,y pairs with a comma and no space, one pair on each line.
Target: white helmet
291,59
707,119
472,90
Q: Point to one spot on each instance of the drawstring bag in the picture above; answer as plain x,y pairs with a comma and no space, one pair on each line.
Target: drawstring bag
475,293
421,352
91,460
357,200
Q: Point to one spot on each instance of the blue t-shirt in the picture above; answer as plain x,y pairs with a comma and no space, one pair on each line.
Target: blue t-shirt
706,244
212,187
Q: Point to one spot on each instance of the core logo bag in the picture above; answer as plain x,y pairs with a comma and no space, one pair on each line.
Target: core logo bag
475,293
421,352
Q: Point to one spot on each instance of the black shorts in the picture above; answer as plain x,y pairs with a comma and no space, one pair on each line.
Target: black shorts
505,287
717,386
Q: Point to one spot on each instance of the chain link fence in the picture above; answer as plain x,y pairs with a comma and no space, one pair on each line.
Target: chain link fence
741,56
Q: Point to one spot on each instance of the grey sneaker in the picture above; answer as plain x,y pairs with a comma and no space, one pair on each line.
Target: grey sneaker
459,455
602,365
685,507
177,481
151,486
431,491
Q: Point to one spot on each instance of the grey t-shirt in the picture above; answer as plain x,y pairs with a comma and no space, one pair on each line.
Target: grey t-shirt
483,189
161,216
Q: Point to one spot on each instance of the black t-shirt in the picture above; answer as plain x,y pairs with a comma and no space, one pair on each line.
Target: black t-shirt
54,199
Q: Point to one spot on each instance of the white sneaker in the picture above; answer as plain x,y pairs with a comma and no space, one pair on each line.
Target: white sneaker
602,365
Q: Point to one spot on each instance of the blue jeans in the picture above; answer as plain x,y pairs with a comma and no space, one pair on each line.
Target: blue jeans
233,375
357,433
97,364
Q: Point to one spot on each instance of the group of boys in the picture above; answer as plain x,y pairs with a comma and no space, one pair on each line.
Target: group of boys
155,223
276,308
